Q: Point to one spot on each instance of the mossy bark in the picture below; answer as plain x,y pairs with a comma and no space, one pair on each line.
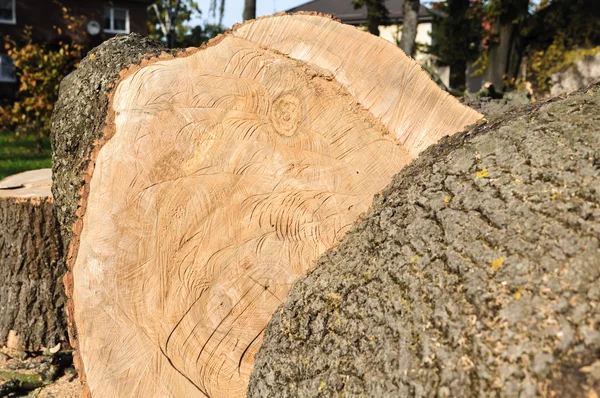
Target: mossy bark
78,127
475,274
32,299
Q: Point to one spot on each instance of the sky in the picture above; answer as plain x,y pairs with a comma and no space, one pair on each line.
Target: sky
234,9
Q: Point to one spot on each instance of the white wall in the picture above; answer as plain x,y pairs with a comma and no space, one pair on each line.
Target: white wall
393,33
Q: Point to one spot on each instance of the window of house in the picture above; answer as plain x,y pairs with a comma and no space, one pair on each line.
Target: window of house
7,69
8,11
116,20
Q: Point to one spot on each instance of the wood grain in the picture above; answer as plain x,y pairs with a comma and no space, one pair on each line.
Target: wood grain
29,184
229,172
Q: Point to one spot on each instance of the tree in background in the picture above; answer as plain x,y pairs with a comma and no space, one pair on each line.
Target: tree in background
377,13
249,10
168,21
200,34
410,20
561,33
220,4
487,33
39,68
457,37
553,35
506,20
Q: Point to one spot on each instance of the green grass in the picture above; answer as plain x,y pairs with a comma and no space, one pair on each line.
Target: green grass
22,154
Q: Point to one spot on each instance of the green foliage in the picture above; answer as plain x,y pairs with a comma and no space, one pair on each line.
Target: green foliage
39,70
506,11
497,15
199,35
377,13
22,153
221,6
457,36
185,35
562,32
557,57
481,64
553,35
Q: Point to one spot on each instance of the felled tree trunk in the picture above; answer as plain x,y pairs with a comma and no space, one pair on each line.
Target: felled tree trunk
32,297
209,180
476,274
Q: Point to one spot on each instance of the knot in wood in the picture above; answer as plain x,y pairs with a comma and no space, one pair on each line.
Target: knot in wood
286,114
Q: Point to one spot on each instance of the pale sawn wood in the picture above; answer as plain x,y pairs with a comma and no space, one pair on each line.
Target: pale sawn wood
229,172
29,184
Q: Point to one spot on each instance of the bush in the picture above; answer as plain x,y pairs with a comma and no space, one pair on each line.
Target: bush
555,58
39,68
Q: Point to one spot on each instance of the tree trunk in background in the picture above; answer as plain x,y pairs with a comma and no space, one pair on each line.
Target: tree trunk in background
171,39
373,27
32,298
479,263
249,9
504,57
456,37
186,232
409,26
458,10
500,54
377,13
458,74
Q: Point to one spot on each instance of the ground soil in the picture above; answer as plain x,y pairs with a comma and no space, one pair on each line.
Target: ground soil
65,386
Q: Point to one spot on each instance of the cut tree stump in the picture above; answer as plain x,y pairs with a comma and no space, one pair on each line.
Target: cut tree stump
195,187
476,274
32,298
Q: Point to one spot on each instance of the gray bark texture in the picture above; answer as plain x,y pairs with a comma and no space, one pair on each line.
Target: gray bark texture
78,127
32,298
475,273
410,20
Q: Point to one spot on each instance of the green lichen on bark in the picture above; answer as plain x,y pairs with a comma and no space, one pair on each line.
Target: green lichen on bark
475,274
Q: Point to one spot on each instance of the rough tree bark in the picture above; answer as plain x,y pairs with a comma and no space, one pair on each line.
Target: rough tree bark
32,296
475,274
195,187
410,21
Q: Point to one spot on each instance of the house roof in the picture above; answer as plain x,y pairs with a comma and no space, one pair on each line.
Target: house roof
345,11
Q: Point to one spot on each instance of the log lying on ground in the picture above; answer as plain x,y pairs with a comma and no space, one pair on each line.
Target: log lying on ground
207,181
32,298
475,274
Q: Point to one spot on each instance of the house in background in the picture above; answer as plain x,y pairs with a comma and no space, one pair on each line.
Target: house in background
345,12
103,19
